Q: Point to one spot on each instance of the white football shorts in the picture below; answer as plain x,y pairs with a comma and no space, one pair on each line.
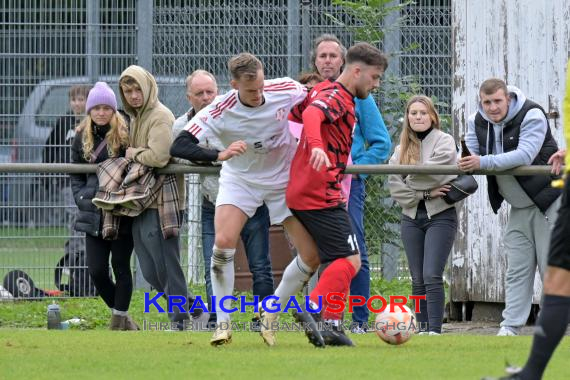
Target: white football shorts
248,198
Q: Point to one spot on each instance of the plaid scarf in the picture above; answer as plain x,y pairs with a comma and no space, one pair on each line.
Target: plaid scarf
128,188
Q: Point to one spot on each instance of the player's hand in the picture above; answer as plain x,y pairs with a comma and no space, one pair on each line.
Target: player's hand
236,148
319,159
439,191
557,160
469,163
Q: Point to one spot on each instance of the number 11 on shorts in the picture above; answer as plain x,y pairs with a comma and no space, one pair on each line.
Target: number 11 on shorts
352,242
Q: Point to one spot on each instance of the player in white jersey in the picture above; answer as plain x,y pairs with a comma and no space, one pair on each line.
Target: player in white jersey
264,130
251,123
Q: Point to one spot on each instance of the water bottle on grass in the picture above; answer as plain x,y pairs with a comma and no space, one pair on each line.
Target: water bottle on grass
53,317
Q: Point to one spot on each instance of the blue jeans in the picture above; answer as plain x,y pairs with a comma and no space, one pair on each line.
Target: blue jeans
255,237
360,285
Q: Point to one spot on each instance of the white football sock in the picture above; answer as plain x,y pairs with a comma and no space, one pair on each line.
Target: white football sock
294,278
222,275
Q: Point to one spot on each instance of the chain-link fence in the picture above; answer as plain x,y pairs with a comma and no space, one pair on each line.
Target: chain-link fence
47,48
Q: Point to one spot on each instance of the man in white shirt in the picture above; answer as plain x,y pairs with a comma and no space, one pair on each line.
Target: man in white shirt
251,123
201,90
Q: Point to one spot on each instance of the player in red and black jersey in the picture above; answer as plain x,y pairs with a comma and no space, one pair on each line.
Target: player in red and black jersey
331,112
314,194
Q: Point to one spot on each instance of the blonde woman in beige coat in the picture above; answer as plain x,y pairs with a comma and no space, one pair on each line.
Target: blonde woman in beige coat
428,224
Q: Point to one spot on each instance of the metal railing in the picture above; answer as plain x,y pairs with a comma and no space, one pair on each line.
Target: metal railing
46,49
350,169
36,248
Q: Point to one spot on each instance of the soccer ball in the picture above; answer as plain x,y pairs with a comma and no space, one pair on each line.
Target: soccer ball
395,327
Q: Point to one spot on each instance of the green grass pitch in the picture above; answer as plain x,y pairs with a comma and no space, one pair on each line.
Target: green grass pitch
100,354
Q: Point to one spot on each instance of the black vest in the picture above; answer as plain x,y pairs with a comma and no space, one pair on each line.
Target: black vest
537,187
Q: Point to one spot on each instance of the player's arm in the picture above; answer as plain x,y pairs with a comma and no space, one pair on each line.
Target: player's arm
296,114
203,126
313,117
298,93
301,101
186,146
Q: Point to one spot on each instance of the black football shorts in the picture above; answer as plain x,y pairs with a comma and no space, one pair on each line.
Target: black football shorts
332,230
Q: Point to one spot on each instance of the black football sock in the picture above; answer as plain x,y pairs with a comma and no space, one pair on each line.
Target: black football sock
549,331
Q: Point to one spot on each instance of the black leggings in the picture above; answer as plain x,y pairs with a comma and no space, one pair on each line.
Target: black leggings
116,295
428,242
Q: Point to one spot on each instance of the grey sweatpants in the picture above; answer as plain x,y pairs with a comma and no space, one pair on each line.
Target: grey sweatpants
160,259
527,240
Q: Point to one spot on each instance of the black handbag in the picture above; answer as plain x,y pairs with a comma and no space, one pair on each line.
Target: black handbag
461,187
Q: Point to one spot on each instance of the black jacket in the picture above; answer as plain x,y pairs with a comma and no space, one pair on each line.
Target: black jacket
57,145
57,151
537,187
85,185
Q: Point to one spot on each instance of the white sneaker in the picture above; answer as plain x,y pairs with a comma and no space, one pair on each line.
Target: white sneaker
508,331
357,330
266,330
222,335
512,370
513,373
434,333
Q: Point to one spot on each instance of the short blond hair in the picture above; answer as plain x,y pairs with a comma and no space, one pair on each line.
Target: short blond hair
244,65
